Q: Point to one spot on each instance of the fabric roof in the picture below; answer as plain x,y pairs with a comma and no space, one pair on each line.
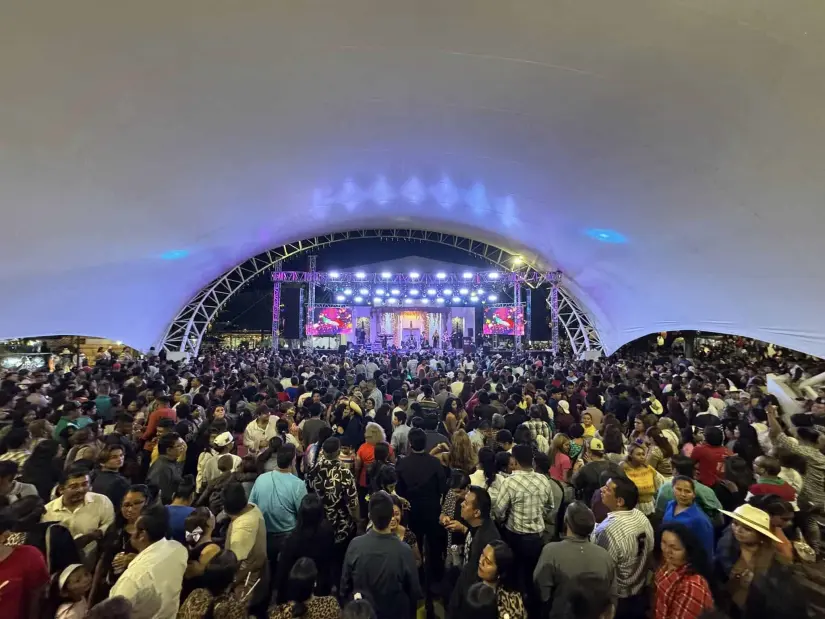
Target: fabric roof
668,156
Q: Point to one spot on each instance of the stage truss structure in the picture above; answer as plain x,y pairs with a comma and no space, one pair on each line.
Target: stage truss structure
186,331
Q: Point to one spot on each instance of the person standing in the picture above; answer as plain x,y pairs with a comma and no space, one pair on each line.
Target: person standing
523,502
108,480
682,589
562,563
258,432
153,580
165,472
627,536
23,573
686,511
480,530
382,565
278,495
336,487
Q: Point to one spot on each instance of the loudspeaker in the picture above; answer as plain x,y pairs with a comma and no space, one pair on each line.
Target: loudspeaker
292,313
539,316
342,348
470,332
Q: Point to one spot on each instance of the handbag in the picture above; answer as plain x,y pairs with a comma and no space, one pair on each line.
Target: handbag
803,550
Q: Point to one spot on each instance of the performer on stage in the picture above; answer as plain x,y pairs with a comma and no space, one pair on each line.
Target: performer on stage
435,340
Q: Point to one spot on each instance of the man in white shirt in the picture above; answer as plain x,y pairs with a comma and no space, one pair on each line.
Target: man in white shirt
152,581
259,431
457,386
87,515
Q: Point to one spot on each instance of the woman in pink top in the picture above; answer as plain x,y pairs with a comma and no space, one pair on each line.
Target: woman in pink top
560,464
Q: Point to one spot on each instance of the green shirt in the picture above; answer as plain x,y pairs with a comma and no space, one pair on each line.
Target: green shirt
705,498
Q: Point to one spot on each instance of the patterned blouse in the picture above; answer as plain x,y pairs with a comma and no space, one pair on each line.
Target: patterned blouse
336,486
325,607
198,602
680,595
510,604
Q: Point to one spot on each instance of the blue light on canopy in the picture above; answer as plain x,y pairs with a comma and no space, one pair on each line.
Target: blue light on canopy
606,236
174,254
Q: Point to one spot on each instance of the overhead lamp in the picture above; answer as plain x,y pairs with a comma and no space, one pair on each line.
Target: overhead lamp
467,275
414,291
379,291
340,297
439,300
347,291
364,291
448,291
425,301
463,291
360,275
493,275
431,292
377,300
334,274
517,260
492,297
395,292
474,298
359,299
392,301
408,301
456,299
414,275
386,275
441,275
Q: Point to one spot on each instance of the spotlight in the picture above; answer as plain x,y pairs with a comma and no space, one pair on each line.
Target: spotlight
414,291
377,300
467,275
456,299
414,275
360,275
431,292
474,298
392,301
439,300
340,297
425,301
334,274
364,291
359,299
386,275
463,291
493,275
395,292
517,260
448,292
492,297
408,301
379,291
441,275
347,291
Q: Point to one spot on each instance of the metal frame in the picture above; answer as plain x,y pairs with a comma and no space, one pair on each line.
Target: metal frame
492,279
185,332
313,268
565,311
276,308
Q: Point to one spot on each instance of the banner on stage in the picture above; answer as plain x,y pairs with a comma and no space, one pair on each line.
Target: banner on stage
331,321
503,321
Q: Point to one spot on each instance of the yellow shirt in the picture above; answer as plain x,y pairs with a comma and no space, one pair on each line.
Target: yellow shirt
589,431
645,479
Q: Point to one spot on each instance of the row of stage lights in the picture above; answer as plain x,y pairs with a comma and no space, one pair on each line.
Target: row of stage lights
391,297
493,275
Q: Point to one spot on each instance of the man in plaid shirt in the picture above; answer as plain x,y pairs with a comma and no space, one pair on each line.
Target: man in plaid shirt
523,503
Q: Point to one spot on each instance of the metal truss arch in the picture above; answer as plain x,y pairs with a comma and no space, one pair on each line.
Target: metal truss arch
185,332
581,333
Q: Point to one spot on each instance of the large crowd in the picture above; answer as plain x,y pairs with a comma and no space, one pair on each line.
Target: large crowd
259,483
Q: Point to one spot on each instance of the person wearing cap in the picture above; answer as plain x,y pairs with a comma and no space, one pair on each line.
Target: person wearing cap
561,563
745,552
73,586
586,478
222,444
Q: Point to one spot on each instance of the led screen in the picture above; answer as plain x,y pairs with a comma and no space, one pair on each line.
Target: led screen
331,321
503,321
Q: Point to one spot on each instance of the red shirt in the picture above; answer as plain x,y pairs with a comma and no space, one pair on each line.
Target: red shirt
25,571
152,424
782,489
680,595
710,463
367,454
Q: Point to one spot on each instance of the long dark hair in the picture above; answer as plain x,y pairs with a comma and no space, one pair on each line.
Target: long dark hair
487,461
505,564
301,584
310,515
696,557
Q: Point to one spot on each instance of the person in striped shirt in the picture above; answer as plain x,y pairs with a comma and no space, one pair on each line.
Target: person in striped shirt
627,535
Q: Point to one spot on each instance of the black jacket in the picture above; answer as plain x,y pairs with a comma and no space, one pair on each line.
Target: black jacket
112,484
481,536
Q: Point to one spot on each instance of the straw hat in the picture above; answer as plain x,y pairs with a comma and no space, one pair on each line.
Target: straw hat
753,518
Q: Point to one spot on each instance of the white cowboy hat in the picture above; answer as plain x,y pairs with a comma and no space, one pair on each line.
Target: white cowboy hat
753,518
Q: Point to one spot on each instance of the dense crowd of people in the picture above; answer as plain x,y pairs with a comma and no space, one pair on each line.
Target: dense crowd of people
322,485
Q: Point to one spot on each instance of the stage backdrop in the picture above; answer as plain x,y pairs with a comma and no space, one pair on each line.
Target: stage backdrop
427,320
503,321
331,321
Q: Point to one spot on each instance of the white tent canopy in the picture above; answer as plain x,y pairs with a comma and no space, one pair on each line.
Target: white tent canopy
667,156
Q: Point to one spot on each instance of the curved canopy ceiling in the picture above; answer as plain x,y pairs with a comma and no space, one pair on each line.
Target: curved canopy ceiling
668,156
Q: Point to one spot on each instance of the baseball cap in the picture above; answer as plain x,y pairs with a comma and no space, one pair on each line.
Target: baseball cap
596,445
224,439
